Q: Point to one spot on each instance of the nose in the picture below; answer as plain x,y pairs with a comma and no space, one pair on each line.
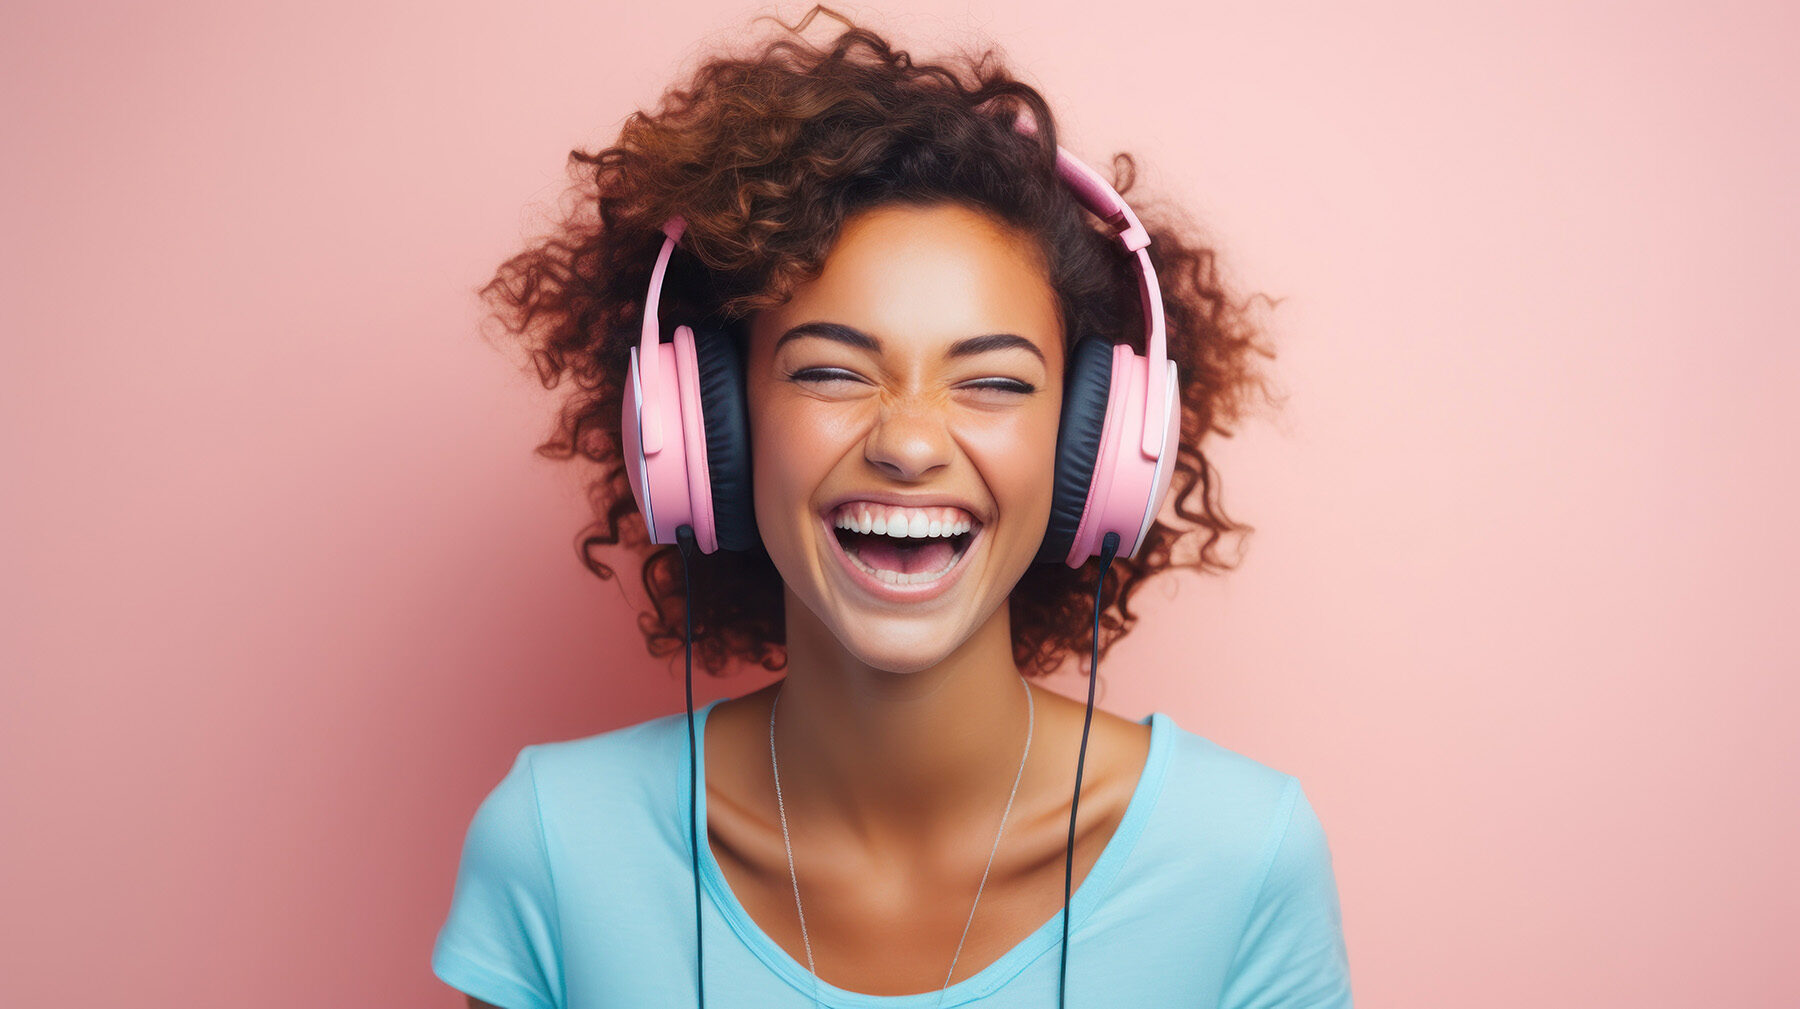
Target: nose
910,438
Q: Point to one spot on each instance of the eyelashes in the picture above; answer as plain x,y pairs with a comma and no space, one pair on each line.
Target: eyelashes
1011,385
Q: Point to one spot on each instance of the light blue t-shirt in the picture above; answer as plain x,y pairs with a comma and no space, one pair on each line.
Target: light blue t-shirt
575,891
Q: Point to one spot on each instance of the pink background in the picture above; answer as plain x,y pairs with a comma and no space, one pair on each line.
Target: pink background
287,587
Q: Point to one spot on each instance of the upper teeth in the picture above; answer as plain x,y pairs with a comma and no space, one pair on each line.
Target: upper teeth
901,523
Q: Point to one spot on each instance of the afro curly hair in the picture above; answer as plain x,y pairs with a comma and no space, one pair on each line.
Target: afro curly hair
766,155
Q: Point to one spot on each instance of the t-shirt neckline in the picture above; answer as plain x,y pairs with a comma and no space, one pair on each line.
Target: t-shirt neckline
1048,936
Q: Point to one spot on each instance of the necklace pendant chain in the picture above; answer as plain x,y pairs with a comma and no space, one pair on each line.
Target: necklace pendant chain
799,909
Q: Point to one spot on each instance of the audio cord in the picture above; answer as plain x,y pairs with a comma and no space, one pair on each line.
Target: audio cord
684,538
1108,547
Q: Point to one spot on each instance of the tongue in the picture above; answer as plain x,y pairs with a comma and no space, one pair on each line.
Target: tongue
884,553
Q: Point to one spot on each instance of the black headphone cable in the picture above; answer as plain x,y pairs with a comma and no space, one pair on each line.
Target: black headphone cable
684,540
1109,546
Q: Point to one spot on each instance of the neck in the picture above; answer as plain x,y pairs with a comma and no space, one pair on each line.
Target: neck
900,759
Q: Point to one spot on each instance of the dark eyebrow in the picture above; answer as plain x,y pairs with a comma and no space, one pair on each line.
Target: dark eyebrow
863,341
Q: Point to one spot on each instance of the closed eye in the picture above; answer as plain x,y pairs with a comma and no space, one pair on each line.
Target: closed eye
822,375
840,375
1005,385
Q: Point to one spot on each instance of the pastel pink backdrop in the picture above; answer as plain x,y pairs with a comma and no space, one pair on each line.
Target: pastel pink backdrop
288,588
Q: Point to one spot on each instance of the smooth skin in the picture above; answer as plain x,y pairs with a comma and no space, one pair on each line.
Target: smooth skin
901,726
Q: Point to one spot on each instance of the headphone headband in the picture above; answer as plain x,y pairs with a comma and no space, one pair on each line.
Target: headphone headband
1090,190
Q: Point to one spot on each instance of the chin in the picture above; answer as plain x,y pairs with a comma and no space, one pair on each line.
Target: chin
900,653
893,642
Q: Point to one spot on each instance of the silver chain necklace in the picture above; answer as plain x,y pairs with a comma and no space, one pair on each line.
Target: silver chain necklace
1030,724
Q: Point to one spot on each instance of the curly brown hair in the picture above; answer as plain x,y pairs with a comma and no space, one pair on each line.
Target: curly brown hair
766,155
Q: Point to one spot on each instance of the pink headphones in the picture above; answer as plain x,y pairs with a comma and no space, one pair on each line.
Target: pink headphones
686,426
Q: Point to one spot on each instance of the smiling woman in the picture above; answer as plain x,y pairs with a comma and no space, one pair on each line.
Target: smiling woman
872,367
770,159
908,419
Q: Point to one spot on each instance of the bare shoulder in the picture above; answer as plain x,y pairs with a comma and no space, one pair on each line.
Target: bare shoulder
475,1003
736,726
1125,742
1118,750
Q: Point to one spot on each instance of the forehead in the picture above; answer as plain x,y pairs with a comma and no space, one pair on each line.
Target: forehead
924,277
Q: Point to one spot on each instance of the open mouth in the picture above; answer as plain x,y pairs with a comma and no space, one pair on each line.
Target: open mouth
910,561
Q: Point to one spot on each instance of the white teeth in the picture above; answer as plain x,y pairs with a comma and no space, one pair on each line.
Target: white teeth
900,524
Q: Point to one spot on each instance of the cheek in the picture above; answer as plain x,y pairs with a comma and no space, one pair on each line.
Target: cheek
1016,459
794,445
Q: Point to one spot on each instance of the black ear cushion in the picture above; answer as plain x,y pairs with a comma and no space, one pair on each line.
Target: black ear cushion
1086,389
727,420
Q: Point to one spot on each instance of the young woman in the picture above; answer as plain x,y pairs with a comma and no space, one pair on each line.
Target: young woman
886,281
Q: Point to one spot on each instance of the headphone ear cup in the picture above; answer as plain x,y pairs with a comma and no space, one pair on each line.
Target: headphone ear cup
725,413
1085,393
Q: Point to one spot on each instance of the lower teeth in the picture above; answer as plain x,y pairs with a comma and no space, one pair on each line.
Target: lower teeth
902,578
